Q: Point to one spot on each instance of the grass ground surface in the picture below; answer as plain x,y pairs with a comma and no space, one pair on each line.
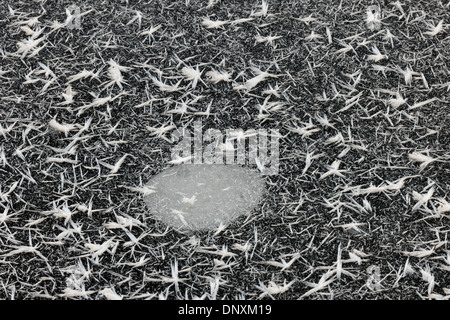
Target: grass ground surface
358,210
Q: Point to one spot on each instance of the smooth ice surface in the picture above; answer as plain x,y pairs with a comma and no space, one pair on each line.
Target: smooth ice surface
201,196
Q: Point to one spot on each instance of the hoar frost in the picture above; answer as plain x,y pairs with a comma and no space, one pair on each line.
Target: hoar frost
203,196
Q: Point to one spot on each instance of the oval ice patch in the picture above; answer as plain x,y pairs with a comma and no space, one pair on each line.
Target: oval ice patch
202,196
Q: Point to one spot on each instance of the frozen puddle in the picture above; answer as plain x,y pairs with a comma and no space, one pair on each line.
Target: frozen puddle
202,196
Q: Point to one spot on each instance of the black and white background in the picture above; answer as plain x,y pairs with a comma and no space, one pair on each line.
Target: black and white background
360,206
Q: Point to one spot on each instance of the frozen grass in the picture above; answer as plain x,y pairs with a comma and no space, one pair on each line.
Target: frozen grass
86,118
